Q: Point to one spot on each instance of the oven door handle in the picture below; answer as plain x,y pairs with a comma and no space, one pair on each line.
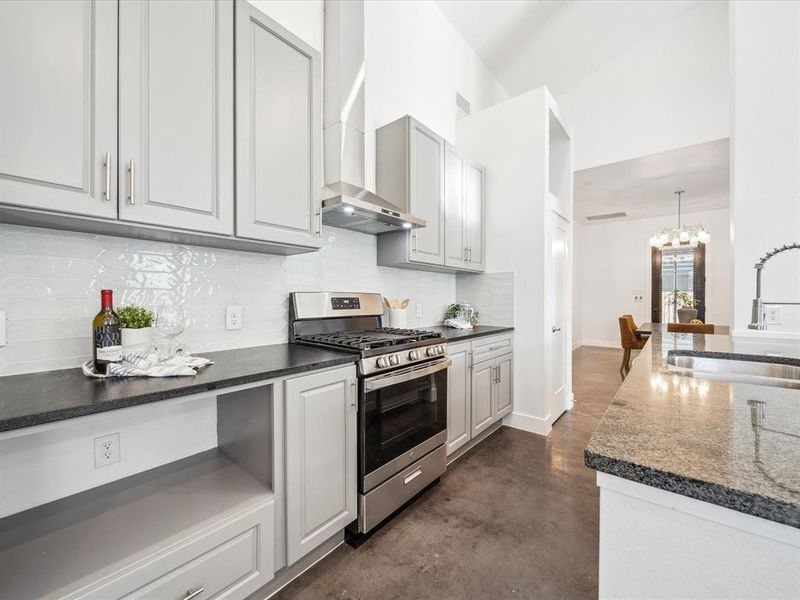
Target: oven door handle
382,381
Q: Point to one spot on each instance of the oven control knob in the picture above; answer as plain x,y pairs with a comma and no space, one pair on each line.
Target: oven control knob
382,362
413,355
394,360
431,351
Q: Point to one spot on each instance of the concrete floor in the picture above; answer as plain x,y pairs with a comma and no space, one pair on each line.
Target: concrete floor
516,517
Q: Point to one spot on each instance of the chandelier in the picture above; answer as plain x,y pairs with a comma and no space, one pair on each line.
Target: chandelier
673,237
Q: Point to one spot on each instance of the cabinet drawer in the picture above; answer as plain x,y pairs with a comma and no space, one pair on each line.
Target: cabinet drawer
486,348
229,561
384,499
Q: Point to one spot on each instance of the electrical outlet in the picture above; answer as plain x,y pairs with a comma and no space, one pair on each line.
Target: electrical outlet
106,450
773,315
419,311
638,296
233,317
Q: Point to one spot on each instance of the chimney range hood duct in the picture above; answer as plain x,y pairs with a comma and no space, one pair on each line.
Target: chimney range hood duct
345,202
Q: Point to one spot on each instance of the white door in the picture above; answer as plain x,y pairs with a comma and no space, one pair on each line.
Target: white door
454,208
475,192
483,380
426,155
176,114
459,405
321,458
58,105
559,313
278,133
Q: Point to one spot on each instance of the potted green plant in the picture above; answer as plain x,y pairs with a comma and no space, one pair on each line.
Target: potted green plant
686,305
137,326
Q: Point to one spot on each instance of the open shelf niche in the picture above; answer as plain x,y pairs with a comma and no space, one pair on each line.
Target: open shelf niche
59,548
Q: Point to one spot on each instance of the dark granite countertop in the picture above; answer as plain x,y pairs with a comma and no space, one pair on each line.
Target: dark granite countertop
732,444
37,398
452,335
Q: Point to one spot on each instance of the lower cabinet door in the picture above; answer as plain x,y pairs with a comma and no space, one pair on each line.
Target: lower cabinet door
458,398
482,384
321,458
503,389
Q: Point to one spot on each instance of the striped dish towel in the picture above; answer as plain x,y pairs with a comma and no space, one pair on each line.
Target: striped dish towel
147,364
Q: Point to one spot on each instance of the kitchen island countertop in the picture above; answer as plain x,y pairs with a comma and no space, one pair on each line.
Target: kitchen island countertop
731,444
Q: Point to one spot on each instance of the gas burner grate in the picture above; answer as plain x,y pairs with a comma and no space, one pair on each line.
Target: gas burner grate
373,338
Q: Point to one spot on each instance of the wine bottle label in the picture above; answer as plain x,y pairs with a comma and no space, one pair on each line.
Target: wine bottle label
108,342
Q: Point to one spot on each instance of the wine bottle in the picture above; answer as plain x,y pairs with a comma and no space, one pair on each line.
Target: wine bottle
106,333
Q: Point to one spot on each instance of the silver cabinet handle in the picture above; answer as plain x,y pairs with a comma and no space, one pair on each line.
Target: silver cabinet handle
496,348
107,177
319,223
556,329
414,242
354,389
409,478
194,594
131,183
469,253
497,377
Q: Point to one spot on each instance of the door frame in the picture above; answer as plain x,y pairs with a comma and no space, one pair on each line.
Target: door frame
557,220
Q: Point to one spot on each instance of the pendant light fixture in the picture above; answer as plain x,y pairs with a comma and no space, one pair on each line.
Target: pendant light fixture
672,237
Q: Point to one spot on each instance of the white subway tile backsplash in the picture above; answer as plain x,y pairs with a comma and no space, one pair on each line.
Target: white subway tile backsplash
491,294
50,284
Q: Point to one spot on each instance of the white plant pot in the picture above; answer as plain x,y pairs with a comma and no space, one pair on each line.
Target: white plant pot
137,339
685,315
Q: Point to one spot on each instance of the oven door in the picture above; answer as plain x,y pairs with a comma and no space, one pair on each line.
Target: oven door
400,411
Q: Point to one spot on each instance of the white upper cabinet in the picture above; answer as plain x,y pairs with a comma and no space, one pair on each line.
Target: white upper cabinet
418,172
58,106
475,215
278,133
455,170
426,158
176,114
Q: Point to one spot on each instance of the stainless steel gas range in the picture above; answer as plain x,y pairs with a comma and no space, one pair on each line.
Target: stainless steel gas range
402,396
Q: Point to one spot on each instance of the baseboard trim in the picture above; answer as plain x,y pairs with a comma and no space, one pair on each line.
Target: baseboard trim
528,423
474,442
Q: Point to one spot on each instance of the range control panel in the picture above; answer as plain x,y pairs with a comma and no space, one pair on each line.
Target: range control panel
345,303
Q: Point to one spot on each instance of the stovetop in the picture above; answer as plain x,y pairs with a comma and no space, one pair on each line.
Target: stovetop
381,337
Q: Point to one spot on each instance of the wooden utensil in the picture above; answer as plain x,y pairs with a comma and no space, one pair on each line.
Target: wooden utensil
405,302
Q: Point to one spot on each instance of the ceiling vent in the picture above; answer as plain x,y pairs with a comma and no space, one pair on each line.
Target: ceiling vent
614,215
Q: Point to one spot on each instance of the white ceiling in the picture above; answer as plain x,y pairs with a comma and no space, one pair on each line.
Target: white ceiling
527,43
644,186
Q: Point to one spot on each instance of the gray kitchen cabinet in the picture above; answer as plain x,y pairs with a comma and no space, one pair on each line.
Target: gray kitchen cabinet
482,393
58,106
475,216
176,114
479,387
503,389
410,175
458,406
320,434
278,133
455,232
418,172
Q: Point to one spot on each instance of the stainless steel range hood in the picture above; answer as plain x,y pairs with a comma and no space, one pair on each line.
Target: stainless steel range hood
345,201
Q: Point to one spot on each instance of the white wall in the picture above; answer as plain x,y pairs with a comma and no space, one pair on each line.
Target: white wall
765,183
416,61
669,91
612,260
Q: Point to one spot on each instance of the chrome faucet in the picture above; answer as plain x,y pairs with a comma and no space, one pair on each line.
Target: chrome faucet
757,317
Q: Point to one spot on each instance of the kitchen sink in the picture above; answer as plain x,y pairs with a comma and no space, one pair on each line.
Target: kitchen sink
775,374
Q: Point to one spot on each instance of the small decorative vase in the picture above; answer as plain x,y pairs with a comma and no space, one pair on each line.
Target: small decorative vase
137,339
685,315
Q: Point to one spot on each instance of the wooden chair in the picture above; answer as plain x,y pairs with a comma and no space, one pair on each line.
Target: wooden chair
629,341
690,327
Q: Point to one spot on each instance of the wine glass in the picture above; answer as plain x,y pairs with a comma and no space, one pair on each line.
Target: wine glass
170,323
